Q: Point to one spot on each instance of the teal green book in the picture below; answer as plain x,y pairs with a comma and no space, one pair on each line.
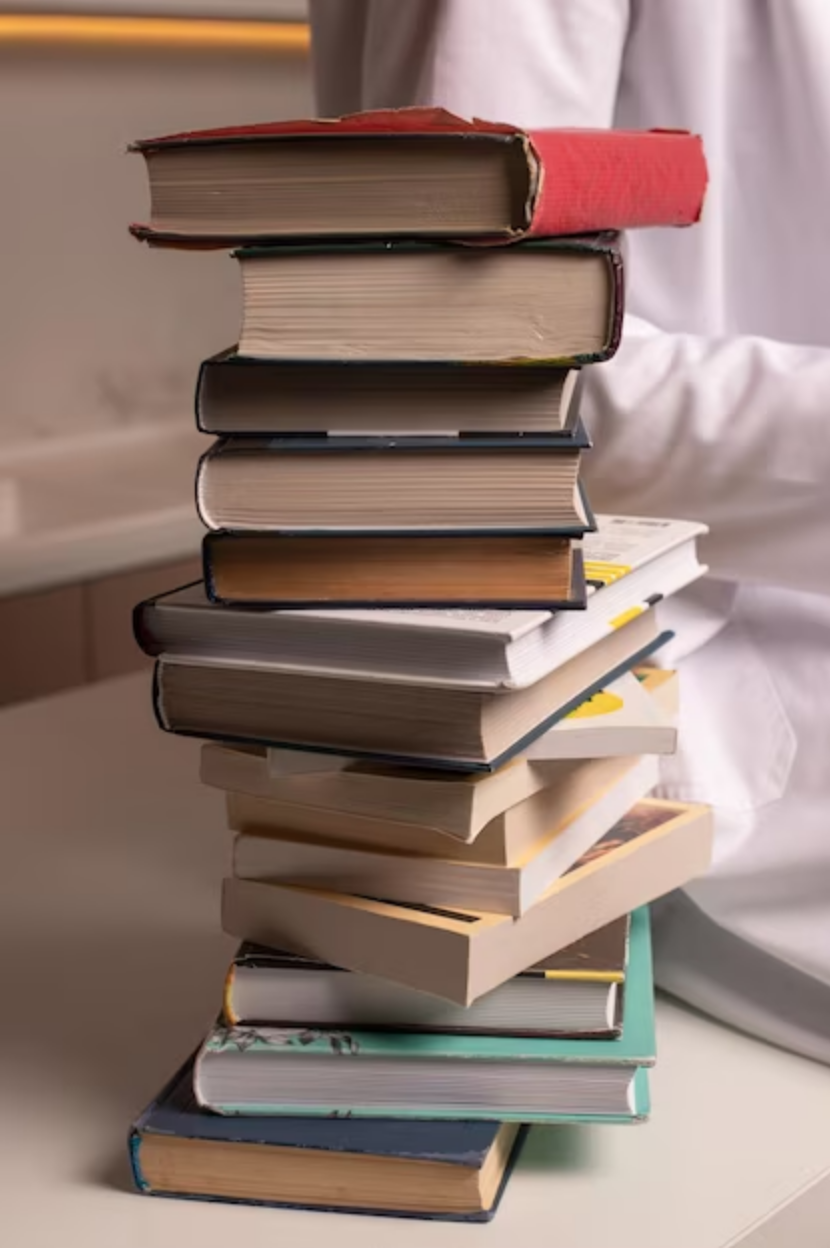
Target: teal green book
268,1070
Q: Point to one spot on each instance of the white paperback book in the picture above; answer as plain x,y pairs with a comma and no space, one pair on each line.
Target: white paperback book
631,563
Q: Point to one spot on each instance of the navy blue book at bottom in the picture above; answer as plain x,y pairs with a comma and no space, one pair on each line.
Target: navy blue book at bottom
454,1171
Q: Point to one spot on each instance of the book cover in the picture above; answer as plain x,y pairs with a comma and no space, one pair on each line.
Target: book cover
574,180
175,1115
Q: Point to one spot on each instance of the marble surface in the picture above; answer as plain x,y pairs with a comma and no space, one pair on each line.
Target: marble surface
111,966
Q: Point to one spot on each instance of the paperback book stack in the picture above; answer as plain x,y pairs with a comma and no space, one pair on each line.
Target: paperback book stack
418,659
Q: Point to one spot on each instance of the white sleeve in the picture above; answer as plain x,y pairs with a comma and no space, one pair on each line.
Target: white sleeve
535,62
735,433
732,432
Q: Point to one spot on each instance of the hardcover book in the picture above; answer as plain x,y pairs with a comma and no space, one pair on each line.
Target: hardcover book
443,1170
552,301
394,485
236,395
415,171
465,570
460,955
406,721
576,992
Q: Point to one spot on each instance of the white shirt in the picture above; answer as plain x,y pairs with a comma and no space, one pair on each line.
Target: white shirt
716,408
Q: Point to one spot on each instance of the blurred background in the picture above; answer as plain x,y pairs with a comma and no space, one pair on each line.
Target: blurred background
100,337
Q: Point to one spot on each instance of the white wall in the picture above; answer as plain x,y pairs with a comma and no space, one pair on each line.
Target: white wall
96,329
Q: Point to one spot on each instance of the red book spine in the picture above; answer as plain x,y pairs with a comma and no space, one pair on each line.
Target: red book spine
615,179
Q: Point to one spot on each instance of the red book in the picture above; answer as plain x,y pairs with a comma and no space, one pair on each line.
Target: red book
415,172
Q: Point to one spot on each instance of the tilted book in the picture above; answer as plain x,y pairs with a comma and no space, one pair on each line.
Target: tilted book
448,881
461,954
415,171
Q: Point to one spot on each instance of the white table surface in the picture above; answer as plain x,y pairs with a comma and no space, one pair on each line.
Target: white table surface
112,965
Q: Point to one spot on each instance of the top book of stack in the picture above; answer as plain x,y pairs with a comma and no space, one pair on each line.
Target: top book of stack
415,172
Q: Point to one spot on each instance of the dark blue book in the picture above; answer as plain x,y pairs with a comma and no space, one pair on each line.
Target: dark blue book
454,1171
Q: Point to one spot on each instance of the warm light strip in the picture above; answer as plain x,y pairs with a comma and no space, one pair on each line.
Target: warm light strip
168,32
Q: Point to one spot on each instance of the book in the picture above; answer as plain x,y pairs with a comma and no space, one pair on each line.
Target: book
466,729
460,955
497,818
576,992
291,570
437,1075
414,171
447,881
443,1170
384,486
556,301
488,817
630,561
236,395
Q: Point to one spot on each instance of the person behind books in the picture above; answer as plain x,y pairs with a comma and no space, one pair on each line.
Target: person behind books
715,408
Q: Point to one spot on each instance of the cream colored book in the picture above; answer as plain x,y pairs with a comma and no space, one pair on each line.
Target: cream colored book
419,812
445,881
506,841
461,954
406,808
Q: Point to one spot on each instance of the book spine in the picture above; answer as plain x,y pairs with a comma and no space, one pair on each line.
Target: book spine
618,179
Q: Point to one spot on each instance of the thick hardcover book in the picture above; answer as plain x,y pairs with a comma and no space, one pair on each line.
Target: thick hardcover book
441,1170
630,561
415,171
547,301
391,485
576,992
238,395
404,571
462,954
423,725
434,1075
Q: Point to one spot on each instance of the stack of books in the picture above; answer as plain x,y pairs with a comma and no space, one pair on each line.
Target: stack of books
418,659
